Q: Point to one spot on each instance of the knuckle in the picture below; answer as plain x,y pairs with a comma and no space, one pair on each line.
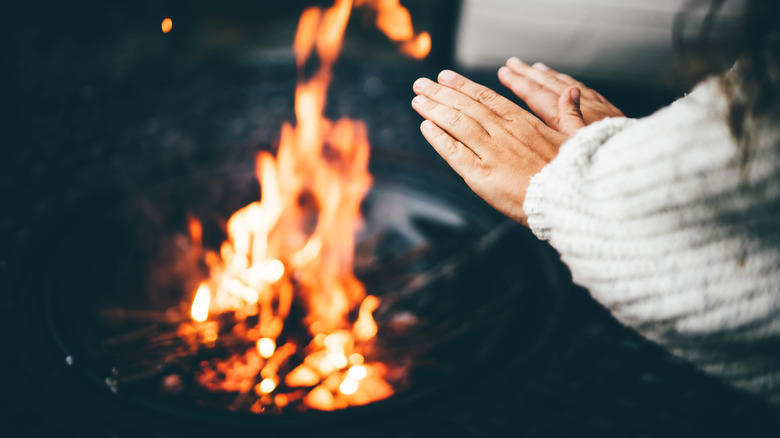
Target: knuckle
486,96
453,148
456,118
441,137
484,170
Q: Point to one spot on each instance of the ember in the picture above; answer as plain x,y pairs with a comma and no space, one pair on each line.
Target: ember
295,247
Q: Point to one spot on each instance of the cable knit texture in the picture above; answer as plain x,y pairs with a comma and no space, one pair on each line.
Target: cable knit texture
661,222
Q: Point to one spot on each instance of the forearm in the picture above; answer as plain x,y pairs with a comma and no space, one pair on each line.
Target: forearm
660,230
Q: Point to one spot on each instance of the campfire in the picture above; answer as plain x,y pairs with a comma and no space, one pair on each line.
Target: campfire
337,288
295,248
130,297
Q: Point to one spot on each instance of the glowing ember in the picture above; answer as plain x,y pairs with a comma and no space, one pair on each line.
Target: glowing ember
266,386
166,25
266,347
293,249
348,386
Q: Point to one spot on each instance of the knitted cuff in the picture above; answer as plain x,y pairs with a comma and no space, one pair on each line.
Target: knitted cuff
558,178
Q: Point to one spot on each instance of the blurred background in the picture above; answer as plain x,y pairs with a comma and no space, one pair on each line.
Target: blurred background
97,96
610,41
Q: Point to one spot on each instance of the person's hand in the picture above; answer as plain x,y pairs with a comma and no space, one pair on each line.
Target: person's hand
540,87
495,145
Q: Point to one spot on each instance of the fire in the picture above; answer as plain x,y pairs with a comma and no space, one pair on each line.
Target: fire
418,47
266,386
266,347
294,248
396,22
200,305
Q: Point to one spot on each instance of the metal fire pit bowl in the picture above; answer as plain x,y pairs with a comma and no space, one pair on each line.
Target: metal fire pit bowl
479,290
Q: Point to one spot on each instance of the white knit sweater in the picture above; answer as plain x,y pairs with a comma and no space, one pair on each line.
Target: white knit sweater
661,222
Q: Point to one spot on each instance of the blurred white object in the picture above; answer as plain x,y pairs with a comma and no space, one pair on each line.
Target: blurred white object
626,40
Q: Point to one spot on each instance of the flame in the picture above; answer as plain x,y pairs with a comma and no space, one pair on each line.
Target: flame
396,22
166,25
365,328
295,247
306,35
200,305
419,47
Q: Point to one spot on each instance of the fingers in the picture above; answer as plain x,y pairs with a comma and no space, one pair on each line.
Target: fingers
462,159
545,77
541,87
500,105
569,114
541,74
456,123
540,99
457,101
560,77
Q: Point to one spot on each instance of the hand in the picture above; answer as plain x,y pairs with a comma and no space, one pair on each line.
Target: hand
495,145
540,87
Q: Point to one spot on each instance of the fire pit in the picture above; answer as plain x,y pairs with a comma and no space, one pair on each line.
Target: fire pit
162,302
444,265
189,301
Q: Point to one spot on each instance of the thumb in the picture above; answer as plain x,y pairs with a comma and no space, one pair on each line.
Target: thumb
569,115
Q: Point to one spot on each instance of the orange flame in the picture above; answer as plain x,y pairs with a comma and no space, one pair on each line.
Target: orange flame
365,328
281,250
418,47
396,22
200,305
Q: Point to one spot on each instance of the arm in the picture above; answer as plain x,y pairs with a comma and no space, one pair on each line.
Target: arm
652,216
656,219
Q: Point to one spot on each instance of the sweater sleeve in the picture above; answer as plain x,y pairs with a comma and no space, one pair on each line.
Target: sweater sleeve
659,219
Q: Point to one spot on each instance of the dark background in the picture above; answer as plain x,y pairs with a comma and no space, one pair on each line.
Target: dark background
96,95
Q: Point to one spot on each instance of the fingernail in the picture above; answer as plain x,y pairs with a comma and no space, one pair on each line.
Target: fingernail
426,125
514,60
540,66
575,95
419,100
446,75
504,71
421,84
